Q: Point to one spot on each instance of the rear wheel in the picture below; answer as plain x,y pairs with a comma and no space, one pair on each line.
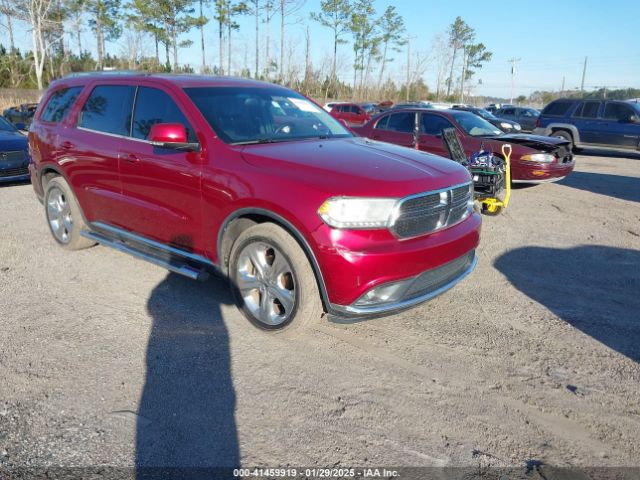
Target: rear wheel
64,216
272,280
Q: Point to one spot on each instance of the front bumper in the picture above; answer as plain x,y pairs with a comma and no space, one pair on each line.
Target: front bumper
353,263
443,278
530,172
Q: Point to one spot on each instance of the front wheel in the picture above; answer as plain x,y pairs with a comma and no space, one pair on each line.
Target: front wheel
272,280
563,134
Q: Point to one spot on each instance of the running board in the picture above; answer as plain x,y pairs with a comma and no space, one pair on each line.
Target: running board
179,268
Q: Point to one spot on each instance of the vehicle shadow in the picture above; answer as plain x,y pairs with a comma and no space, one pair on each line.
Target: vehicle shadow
15,183
596,152
186,425
592,287
618,186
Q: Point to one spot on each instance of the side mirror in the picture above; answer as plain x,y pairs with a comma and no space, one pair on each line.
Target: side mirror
21,126
171,135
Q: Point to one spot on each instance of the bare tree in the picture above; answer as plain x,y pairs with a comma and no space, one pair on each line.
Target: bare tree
287,8
441,54
36,14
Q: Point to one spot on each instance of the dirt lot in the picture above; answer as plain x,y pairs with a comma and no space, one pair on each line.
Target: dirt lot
107,360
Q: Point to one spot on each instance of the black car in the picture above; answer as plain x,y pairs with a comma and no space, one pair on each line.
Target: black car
592,123
525,116
502,123
21,115
14,154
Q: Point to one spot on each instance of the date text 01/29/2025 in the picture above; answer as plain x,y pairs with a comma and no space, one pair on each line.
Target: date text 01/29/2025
315,473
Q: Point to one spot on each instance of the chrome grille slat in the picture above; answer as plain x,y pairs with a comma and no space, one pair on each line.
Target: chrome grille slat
431,211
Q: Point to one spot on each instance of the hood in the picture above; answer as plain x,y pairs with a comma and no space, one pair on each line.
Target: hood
537,142
357,166
11,141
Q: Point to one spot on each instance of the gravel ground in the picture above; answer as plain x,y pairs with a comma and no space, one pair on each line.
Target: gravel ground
107,360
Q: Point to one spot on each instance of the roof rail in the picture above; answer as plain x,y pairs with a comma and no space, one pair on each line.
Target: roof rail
104,72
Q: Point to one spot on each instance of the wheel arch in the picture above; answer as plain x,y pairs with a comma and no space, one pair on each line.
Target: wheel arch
572,129
241,219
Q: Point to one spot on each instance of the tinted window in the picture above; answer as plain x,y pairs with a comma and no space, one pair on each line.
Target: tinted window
6,126
382,123
619,112
433,124
108,109
155,106
402,122
508,111
59,104
558,108
588,110
243,115
355,109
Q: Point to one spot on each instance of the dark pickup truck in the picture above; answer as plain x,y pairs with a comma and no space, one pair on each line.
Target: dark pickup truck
592,123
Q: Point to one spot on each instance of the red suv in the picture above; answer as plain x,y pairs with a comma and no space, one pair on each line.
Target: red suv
201,174
350,113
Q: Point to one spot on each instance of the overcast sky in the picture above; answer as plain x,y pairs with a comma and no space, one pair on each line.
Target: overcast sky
552,39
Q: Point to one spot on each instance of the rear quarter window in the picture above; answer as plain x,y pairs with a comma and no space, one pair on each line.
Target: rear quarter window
557,108
59,104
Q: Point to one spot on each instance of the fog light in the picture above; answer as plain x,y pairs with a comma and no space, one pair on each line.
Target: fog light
387,293
539,173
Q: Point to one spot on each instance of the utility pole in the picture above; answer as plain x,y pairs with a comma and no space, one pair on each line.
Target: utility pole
584,73
562,89
513,74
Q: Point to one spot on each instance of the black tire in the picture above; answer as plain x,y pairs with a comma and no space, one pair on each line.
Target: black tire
254,281
566,136
62,210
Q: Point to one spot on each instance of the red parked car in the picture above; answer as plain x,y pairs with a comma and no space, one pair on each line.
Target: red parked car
255,181
351,113
534,159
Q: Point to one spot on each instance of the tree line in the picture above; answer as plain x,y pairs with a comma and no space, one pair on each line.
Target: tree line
128,27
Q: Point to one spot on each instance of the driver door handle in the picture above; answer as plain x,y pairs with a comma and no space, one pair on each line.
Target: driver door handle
129,157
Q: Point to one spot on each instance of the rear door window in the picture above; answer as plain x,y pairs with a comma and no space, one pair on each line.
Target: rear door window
509,111
402,122
59,104
433,124
155,106
588,110
108,109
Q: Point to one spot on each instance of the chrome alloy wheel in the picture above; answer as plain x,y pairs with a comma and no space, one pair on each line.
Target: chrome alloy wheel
59,215
266,283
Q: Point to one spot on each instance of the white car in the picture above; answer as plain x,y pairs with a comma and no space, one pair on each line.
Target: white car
330,105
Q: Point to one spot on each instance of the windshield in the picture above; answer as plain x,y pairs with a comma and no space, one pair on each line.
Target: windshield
5,126
241,115
487,115
474,125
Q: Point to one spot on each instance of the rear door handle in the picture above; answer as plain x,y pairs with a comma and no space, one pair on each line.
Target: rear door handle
129,157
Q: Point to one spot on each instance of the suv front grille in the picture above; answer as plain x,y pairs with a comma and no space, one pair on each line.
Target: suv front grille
431,211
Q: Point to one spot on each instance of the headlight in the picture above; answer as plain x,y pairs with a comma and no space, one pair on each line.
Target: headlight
539,157
517,126
343,212
506,125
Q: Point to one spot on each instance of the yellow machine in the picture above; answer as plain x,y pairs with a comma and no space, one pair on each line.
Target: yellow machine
493,206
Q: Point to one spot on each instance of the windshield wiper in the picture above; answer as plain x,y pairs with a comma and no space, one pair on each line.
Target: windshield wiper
259,141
